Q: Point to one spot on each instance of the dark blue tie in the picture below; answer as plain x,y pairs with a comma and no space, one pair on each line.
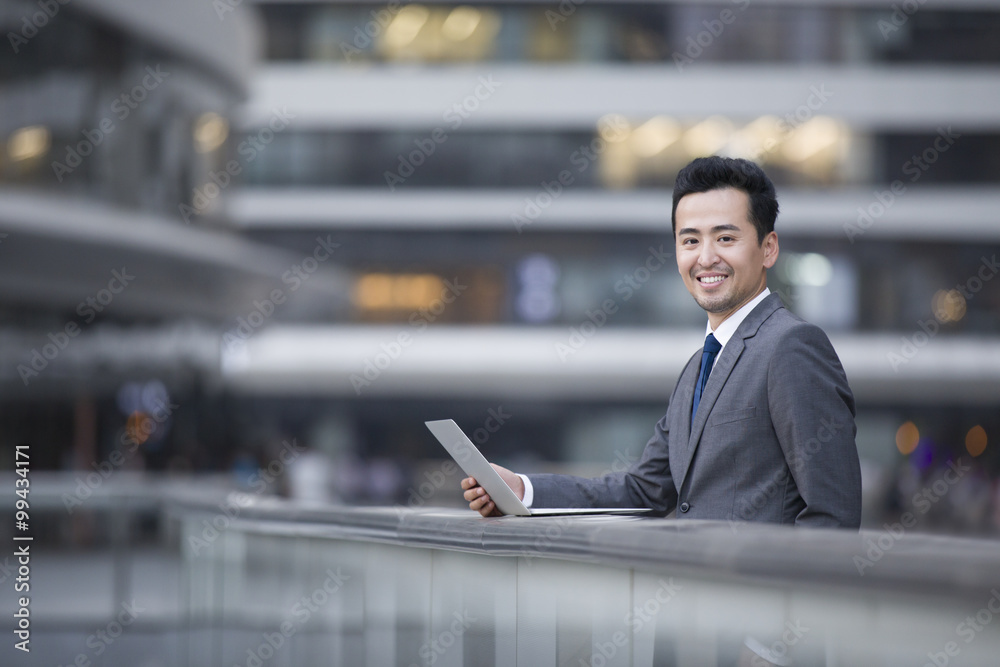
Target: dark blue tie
712,348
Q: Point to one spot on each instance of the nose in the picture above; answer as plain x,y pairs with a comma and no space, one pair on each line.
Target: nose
708,255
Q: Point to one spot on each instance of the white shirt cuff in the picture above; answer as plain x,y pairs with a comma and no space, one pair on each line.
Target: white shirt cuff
529,490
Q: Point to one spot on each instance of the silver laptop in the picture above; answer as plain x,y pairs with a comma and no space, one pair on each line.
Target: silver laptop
469,458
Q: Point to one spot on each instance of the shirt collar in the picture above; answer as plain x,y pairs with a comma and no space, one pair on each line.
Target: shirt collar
732,323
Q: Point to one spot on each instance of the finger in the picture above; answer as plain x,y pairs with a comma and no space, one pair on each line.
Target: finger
472,494
488,509
480,502
469,482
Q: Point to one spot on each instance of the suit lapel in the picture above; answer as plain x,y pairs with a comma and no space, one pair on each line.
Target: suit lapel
724,366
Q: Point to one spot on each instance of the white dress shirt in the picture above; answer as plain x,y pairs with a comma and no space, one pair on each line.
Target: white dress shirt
733,322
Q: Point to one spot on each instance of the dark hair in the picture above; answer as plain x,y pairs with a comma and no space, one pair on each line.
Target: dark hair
716,173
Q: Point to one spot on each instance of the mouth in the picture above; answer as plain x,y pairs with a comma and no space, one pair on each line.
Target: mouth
711,280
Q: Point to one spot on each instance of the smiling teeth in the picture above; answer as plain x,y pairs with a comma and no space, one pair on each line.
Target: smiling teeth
713,279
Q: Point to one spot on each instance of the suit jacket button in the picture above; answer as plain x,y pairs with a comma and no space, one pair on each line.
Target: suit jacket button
685,507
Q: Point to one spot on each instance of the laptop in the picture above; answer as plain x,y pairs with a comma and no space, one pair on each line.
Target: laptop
471,460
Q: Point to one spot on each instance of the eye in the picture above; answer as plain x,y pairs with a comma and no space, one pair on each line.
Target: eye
688,241
726,239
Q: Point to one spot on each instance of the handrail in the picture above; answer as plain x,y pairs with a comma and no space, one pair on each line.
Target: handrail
892,558
388,582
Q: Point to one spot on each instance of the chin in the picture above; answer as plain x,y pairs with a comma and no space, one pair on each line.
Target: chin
719,304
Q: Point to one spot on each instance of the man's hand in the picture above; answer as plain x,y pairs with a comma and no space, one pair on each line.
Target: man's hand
480,501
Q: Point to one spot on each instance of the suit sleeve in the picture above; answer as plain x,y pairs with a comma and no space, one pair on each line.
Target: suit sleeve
812,411
646,483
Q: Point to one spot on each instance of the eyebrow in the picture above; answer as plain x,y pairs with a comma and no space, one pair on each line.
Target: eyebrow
717,228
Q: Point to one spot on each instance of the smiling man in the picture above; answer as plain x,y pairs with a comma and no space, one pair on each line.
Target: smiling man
760,426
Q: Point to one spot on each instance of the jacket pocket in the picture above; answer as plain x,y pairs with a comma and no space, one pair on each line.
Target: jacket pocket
731,416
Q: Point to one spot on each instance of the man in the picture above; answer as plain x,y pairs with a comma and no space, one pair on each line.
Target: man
760,426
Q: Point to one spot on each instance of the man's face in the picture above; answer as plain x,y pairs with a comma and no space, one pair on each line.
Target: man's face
718,256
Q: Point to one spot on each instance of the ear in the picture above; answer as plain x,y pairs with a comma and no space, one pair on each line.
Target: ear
770,247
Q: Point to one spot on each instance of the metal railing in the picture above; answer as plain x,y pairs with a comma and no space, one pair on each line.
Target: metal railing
191,573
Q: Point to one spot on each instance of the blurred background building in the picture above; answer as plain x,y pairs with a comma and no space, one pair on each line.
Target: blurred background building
233,225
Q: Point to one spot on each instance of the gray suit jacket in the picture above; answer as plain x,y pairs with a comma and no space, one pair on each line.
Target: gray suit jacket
773,439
